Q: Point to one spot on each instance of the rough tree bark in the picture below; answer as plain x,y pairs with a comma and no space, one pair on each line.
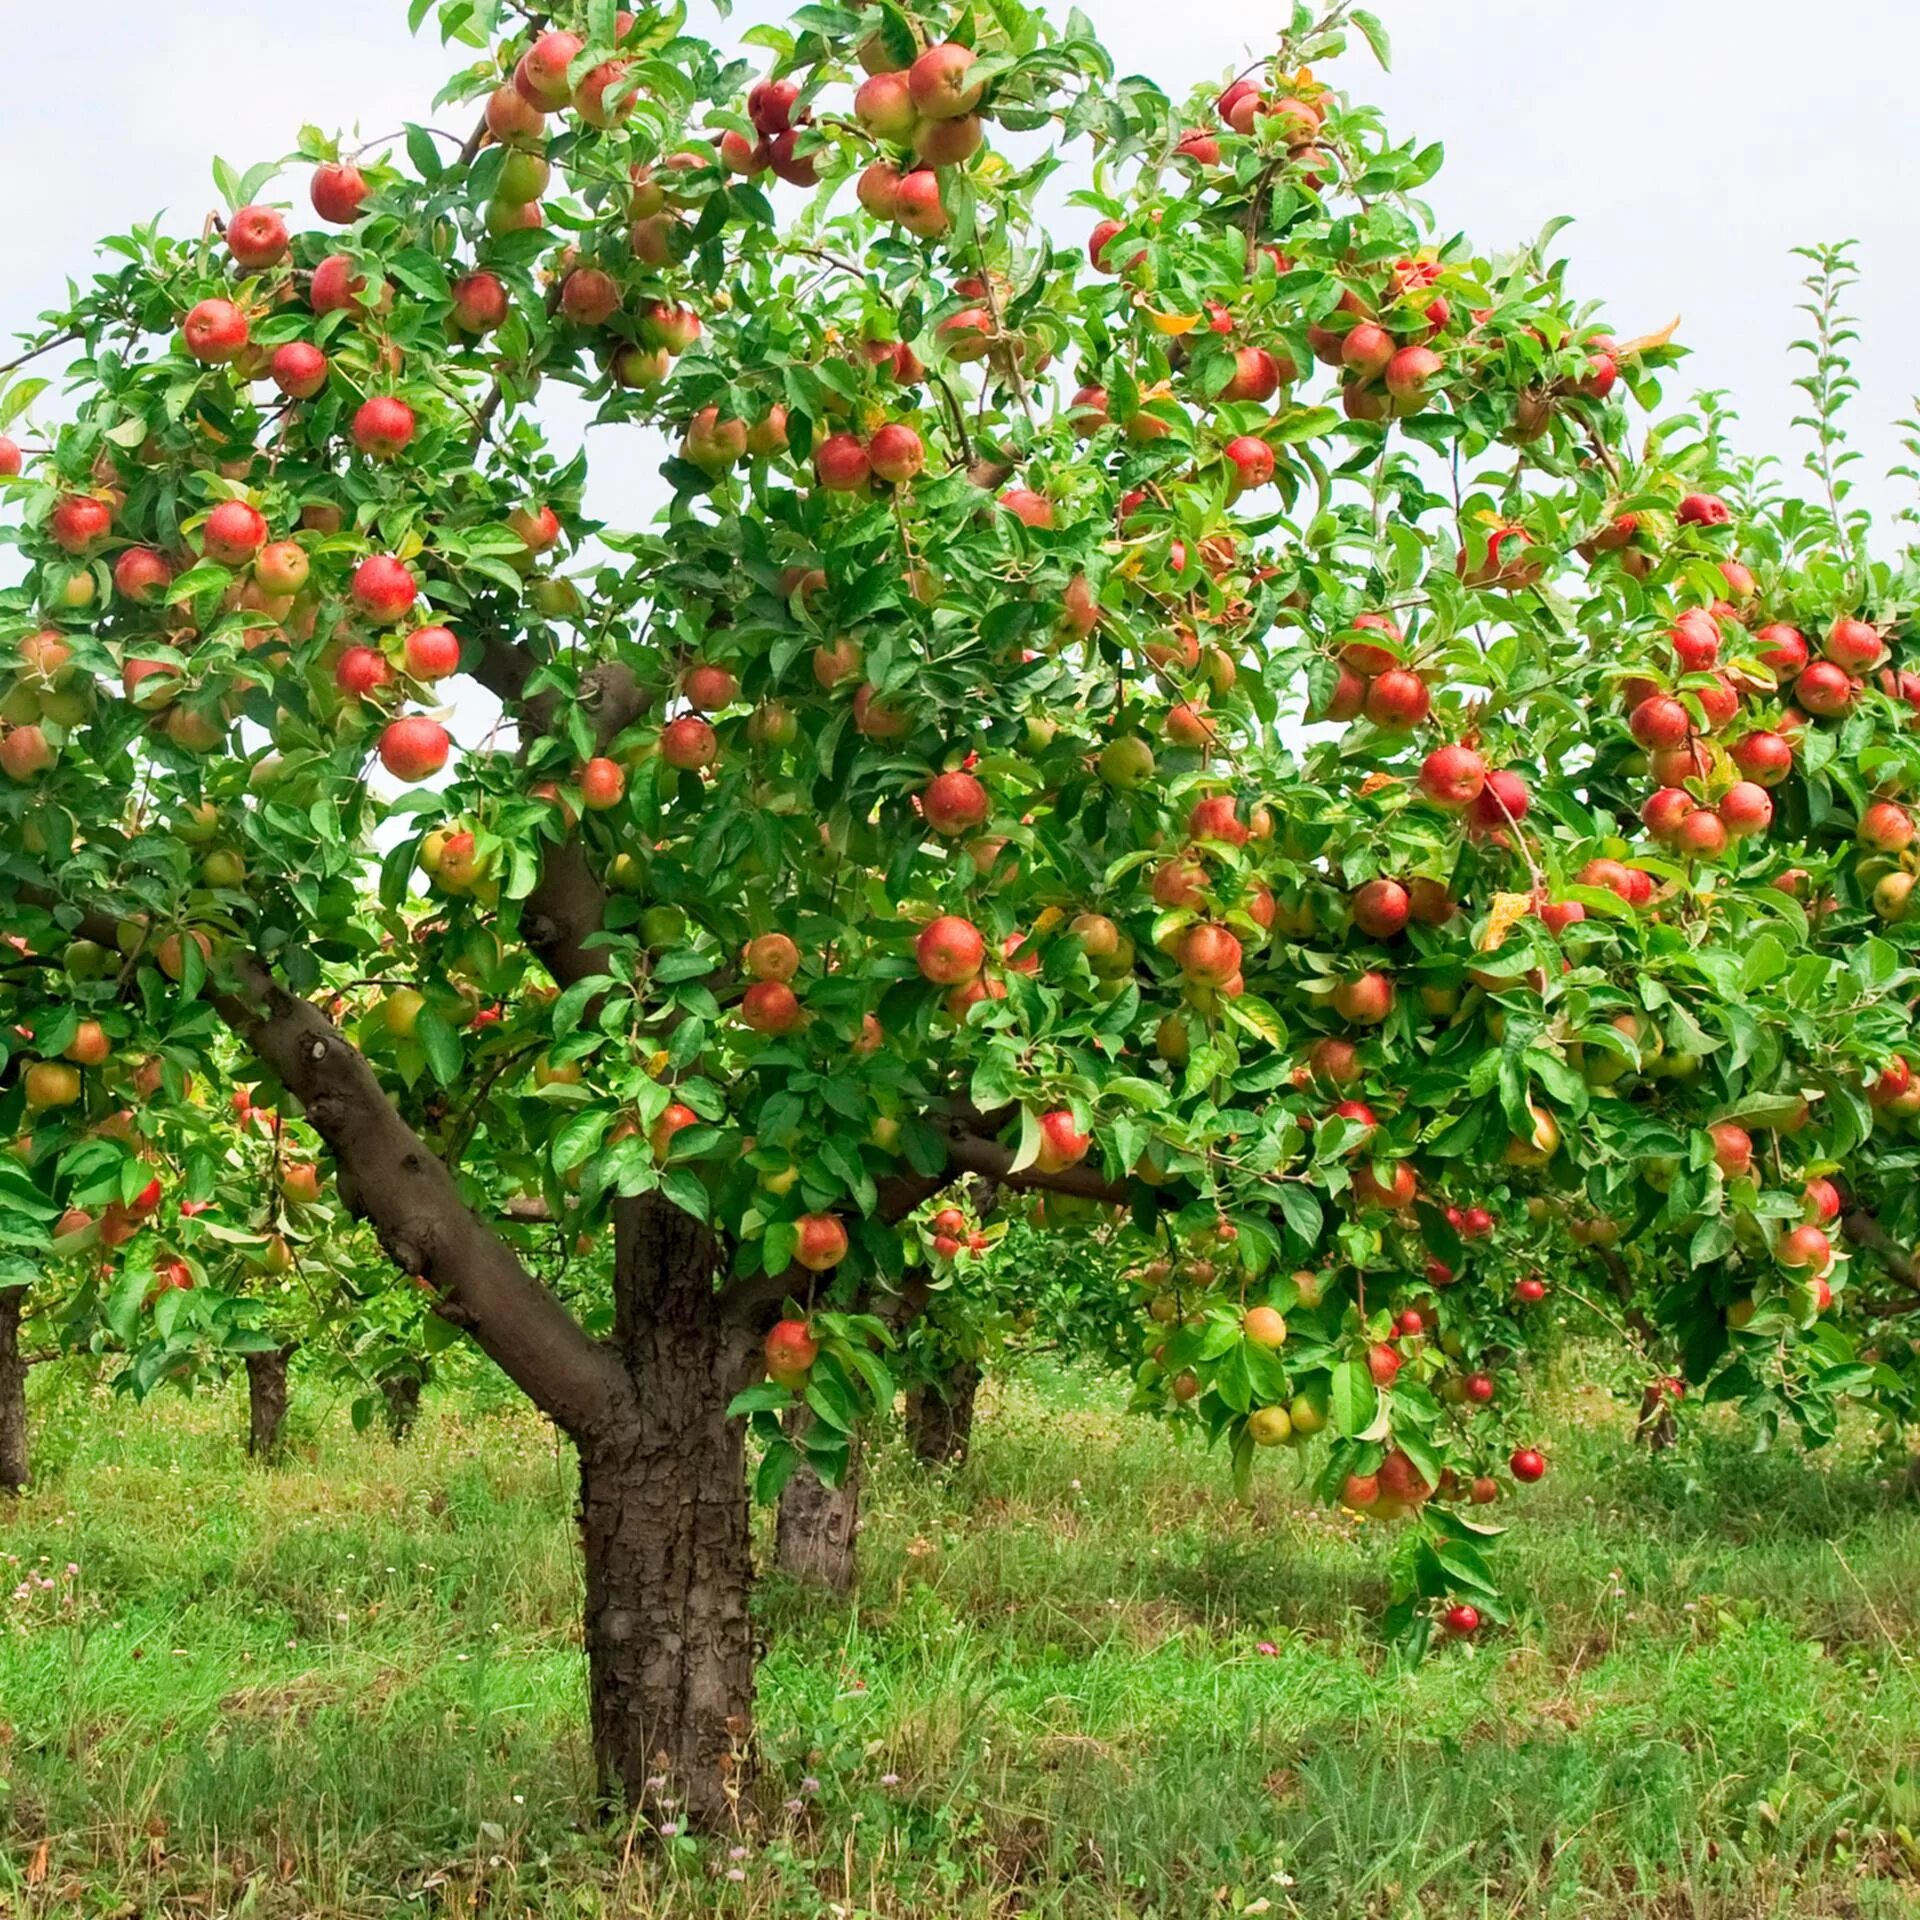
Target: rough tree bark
664,1525
13,1393
815,1528
940,1425
401,1391
266,1401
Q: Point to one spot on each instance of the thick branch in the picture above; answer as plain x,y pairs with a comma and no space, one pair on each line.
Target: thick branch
1865,1231
970,1153
390,1178
567,906
971,1149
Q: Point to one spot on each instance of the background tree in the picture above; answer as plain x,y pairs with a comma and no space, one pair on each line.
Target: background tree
920,801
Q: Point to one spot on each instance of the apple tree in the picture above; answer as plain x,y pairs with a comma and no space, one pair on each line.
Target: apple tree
923,797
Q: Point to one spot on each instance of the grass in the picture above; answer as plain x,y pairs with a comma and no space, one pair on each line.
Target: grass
1079,1680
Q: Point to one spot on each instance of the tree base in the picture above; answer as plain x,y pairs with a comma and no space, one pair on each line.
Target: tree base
665,1527
266,1402
940,1425
13,1393
401,1392
814,1531
1656,1427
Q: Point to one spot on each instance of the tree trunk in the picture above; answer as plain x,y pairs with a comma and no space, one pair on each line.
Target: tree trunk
401,1391
815,1528
13,1393
940,1425
1656,1427
664,1524
266,1401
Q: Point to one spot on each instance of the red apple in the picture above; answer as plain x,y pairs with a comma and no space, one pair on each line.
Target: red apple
603,784
1764,757
1661,721
1381,908
1885,827
140,575
432,653
338,191
1745,808
790,1348
772,1007
1703,510
771,956
708,688
541,76
955,803
840,463
1062,1144
1208,955
949,950
689,743
1503,799
360,671
940,83
382,427
256,237
1365,999
896,453
480,302
1452,777
414,747
1732,1149
1256,376
1854,645
1824,688
233,533
1804,1247
1250,463
298,369
1398,700
336,285
383,588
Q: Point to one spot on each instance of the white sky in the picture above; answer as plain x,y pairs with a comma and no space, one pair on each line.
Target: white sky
1690,148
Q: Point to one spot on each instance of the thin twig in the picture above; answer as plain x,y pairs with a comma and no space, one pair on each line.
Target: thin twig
58,340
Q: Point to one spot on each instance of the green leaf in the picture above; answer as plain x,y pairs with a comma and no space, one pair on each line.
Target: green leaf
684,1188
577,1139
1300,423
122,1310
1376,38
1301,1210
423,153
1353,1400
776,1469
440,1044
765,1396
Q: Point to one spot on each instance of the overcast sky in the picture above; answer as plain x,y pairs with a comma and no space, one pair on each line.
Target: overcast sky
1695,145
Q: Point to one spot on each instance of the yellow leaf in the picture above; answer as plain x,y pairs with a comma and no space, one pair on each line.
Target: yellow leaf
1509,909
1646,342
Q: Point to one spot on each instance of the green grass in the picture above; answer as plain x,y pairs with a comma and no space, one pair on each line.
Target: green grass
1079,1680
